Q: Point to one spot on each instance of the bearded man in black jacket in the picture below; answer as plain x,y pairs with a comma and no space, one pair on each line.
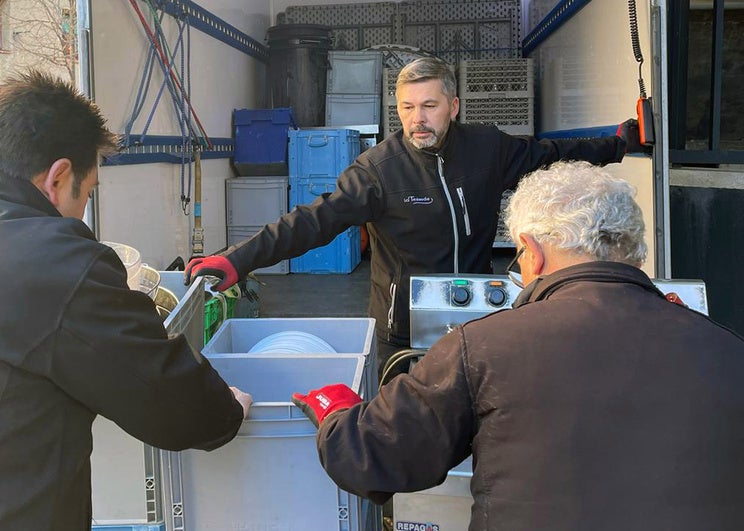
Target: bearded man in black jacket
430,196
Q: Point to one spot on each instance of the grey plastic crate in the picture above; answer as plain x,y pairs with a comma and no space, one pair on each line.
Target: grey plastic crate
447,505
269,476
126,478
126,484
512,115
238,234
352,109
389,80
513,78
255,200
450,30
354,72
346,335
391,120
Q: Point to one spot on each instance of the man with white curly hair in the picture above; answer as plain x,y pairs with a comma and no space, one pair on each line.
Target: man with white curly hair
595,403
574,213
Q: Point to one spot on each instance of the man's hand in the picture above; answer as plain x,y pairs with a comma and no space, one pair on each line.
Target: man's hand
244,399
319,403
216,266
628,131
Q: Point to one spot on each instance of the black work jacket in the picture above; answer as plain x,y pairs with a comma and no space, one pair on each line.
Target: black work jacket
426,212
596,404
75,342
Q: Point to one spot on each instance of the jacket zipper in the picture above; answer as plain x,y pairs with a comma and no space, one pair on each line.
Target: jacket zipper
391,311
465,215
440,169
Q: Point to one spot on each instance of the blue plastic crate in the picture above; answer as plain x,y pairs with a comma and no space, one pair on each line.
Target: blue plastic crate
342,255
261,140
321,152
305,191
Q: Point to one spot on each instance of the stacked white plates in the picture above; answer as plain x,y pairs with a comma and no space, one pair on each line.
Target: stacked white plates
292,342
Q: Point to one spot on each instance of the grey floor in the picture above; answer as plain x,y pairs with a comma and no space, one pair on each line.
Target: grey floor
310,295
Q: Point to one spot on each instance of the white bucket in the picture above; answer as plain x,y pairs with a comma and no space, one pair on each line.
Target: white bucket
132,261
149,280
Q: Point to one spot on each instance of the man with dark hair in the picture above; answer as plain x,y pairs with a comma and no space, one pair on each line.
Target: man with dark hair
594,404
75,342
430,196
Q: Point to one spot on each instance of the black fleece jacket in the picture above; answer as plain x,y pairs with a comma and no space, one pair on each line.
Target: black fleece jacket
427,212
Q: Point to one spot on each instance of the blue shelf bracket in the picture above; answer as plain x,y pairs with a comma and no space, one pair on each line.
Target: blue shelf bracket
559,15
161,148
206,22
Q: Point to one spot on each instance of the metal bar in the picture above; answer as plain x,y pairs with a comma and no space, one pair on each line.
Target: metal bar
581,132
678,45
560,14
716,75
206,22
660,87
167,149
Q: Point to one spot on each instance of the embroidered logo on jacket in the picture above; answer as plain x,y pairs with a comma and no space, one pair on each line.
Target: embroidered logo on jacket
415,200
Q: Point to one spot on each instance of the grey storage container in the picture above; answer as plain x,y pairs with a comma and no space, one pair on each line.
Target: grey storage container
254,201
514,116
352,109
238,234
354,72
346,335
269,476
126,477
447,505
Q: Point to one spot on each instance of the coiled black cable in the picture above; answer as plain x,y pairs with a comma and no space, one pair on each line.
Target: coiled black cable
634,39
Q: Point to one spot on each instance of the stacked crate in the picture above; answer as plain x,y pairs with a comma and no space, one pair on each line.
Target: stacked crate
251,203
316,158
269,476
259,196
353,88
498,92
260,137
128,478
502,238
390,119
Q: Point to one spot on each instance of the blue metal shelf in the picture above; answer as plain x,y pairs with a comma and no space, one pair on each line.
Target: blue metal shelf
582,132
560,14
201,19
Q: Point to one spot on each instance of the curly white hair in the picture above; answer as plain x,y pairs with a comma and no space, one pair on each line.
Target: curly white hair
579,207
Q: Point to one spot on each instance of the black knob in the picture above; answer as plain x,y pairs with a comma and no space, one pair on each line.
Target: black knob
460,296
497,297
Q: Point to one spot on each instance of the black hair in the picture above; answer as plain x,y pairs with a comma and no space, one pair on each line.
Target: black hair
44,119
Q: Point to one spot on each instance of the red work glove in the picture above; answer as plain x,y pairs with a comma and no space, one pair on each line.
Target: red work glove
216,266
319,403
628,131
673,297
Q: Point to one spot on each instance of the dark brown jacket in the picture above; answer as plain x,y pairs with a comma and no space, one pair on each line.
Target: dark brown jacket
594,405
